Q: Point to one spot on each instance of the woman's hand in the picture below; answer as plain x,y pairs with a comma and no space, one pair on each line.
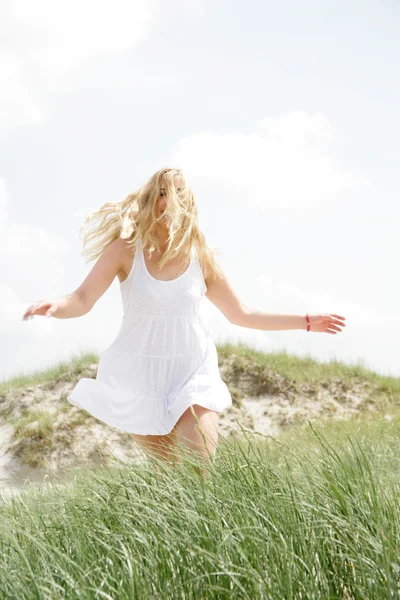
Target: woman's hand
44,308
326,323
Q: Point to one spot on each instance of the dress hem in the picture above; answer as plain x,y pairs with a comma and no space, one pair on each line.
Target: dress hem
192,397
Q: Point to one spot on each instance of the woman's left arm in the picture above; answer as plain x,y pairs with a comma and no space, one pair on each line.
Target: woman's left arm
323,323
221,294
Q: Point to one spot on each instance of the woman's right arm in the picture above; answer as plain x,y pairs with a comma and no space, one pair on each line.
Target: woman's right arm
82,300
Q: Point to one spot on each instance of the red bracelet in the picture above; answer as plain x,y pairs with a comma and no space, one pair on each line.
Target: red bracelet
308,322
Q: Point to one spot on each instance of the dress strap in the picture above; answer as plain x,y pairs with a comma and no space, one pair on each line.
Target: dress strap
198,267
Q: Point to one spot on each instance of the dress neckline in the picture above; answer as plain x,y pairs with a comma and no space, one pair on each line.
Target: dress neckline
164,280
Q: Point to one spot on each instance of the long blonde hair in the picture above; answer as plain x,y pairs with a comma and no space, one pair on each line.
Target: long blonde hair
135,218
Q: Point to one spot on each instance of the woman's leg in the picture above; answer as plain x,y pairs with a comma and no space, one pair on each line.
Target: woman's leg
198,429
160,446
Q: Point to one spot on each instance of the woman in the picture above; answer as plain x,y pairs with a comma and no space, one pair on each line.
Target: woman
159,379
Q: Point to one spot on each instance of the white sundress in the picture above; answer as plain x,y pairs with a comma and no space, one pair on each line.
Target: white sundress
162,360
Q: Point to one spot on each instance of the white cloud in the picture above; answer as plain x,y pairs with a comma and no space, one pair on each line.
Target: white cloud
32,268
286,163
30,257
3,213
20,100
196,7
74,31
48,45
298,126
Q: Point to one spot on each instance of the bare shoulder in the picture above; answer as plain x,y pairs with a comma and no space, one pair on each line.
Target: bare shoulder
111,262
127,252
209,280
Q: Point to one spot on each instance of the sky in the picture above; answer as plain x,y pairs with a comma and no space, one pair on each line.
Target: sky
284,117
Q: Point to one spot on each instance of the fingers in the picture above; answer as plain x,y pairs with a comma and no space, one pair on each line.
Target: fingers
28,314
338,317
34,309
332,327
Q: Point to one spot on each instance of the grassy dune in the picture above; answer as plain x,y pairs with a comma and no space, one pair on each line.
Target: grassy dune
311,513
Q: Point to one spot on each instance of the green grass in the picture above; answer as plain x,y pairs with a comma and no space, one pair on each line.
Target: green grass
74,367
312,514
290,366
307,369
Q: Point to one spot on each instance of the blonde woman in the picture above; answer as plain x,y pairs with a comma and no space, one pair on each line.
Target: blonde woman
159,379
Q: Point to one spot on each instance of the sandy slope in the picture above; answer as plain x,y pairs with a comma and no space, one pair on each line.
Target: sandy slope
40,432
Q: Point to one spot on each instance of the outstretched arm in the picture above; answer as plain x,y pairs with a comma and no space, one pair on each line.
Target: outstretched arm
322,323
221,294
82,300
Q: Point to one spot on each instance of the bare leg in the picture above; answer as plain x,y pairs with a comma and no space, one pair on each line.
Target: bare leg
198,429
160,446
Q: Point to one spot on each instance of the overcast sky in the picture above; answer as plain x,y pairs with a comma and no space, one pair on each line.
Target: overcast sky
284,117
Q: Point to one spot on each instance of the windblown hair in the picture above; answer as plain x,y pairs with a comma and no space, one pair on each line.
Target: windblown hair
136,218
